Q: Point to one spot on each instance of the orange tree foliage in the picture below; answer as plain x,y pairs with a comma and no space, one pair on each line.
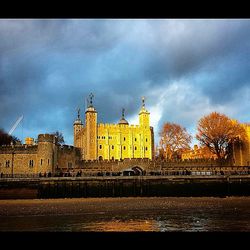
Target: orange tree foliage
217,132
174,139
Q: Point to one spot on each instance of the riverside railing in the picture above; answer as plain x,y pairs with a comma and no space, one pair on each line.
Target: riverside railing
145,173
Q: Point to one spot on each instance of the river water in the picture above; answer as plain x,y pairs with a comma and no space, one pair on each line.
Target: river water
155,214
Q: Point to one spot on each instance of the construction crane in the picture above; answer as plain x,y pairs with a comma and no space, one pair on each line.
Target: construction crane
15,125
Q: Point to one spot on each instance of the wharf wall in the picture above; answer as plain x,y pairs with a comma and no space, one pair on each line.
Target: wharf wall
125,186
149,165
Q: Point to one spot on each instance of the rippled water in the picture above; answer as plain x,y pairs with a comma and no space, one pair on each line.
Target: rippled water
127,214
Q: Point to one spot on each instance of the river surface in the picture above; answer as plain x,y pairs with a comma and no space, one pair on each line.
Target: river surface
156,214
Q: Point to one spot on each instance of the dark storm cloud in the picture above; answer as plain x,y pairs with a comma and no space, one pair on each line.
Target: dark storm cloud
48,67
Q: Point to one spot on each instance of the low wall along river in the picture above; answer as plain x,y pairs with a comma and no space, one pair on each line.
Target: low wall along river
124,186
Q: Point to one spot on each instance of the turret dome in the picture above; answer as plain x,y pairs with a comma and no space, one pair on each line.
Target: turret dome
123,120
78,121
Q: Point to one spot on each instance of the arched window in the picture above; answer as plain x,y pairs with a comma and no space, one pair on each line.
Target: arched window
100,158
124,147
100,146
112,147
7,163
135,148
31,163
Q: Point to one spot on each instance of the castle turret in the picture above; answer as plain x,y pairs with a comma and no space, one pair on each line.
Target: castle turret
77,127
91,131
144,115
123,120
47,153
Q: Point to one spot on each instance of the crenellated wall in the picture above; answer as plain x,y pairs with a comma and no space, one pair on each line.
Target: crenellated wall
150,165
20,159
68,157
30,159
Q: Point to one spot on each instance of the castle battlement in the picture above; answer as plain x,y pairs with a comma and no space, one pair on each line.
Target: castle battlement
67,148
117,126
46,138
9,149
107,125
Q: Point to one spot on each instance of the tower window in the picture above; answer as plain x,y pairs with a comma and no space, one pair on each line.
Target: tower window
135,139
41,161
135,148
146,139
48,161
124,147
124,139
31,163
146,148
112,147
69,164
100,146
7,164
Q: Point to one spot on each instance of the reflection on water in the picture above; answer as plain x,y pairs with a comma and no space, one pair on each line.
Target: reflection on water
123,226
127,214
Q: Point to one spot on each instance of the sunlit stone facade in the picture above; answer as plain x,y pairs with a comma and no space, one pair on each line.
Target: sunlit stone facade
114,141
198,153
241,151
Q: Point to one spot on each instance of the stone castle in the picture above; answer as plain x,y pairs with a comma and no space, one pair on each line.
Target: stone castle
44,156
101,146
114,141
92,142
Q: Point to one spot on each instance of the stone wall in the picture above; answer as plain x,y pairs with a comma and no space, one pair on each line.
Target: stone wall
68,157
18,159
148,165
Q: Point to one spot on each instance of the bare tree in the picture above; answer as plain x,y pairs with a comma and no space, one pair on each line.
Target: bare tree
218,132
174,138
59,136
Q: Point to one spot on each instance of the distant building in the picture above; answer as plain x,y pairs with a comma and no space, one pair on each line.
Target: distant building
42,157
241,151
114,141
198,153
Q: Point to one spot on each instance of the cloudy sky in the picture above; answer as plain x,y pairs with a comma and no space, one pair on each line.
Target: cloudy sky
185,69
